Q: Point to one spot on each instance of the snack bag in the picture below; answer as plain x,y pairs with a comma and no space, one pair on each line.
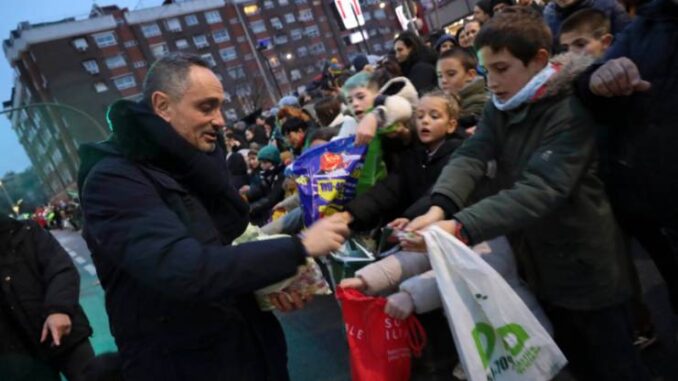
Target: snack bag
327,177
308,281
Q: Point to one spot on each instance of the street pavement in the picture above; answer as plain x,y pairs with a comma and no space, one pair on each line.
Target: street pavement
317,348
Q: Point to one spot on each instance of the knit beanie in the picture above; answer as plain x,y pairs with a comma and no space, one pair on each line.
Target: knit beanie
269,153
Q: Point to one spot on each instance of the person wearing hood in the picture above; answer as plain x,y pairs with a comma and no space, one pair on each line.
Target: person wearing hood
557,11
632,91
416,61
160,215
43,329
445,43
269,191
546,196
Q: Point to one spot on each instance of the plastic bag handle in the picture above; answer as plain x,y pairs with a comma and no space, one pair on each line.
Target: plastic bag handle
417,337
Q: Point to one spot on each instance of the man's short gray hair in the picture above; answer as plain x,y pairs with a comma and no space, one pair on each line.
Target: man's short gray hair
169,74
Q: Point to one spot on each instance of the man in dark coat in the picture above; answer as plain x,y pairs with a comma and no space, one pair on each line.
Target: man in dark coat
43,330
633,93
160,214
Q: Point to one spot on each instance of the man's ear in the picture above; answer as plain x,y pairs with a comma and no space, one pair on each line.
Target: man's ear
606,40
160,102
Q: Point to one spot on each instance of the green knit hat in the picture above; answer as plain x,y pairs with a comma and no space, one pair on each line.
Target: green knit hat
269,153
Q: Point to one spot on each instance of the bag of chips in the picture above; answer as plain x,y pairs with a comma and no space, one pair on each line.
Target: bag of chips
327,177
308,281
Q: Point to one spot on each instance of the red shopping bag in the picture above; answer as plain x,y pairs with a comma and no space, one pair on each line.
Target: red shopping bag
380,347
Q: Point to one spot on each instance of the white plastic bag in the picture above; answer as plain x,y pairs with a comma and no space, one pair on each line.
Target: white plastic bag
496,335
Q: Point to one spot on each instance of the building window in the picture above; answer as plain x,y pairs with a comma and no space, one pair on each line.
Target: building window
221,35
91,66
385,30
248,57
268,4
367,15
258,26
105,39
234,21
236,72
274,61
130,43
251,9
276,23
302,51
139,64
379,14
280,39
150,30
296,34
200,41
80,44
228,54
243,91
159,50
181,44
289,18
312,31
191,20
300,2
124,82
115,62
212,17
376,47
305,15
318,48
241,39
295,75
173,25
207,57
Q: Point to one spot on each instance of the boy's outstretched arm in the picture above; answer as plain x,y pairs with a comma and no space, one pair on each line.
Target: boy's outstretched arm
552,173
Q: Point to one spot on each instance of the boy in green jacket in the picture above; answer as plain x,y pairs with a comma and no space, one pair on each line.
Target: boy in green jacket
534,150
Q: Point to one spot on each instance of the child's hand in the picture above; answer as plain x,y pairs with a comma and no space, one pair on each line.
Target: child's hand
367,129
399,305
357,283
433,215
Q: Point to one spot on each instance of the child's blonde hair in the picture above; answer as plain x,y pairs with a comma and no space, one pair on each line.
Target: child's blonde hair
451,100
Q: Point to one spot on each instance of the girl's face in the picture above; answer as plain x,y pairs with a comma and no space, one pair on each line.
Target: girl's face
249,135
361,100
464,41
433,120
402,51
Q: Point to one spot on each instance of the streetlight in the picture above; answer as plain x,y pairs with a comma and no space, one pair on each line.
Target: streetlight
288,56
382,5
9,199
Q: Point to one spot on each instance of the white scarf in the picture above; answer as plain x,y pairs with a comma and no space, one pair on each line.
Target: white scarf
527,92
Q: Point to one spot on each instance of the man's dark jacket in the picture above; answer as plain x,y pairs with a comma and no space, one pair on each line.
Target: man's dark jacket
638,144
38,279
159,219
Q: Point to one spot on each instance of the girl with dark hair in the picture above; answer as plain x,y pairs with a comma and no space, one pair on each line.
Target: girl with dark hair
416,61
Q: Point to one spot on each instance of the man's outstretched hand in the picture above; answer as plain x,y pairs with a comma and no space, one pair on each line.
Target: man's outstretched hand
617,77
325,235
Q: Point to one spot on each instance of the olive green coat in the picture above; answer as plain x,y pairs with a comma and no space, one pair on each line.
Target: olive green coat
540,162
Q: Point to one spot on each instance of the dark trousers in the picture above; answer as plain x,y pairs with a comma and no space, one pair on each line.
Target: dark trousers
598,344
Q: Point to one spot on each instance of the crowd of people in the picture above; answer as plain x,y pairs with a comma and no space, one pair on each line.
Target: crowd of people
541,132
57,215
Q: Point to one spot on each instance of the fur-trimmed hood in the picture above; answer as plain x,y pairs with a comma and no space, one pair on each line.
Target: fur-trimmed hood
568,66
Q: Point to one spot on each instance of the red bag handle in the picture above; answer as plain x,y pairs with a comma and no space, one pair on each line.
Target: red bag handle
417,337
